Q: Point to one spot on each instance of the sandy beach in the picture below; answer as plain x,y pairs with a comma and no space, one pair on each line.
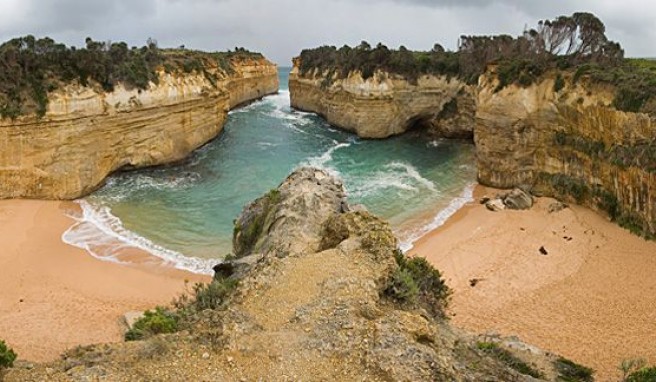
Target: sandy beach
592,298
55,296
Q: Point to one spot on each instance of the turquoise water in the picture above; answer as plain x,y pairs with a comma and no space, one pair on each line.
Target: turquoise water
185,213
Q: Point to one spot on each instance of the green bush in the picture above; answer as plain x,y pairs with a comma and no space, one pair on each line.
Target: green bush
509,359
153,322
402,286
570,371
212,295
415,281
205,296
635,224
646,374
7,356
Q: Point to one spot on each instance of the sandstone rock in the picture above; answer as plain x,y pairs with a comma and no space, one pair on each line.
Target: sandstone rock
386,104
86,135
457,118
237,268
495,205
557,207
290,219
518,200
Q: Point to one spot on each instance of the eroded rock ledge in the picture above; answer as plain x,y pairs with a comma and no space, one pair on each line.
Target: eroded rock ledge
87,134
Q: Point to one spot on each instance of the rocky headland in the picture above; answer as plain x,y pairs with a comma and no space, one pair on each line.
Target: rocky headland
317,291
87,132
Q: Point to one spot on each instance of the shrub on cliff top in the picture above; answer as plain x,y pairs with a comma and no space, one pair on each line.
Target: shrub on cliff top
153,322
209,296
576,42
7,355
204,296
415,281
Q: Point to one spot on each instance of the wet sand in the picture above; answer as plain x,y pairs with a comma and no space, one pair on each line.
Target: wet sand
592,298
55,296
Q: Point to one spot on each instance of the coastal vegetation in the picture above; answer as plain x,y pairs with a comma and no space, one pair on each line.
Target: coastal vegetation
635,370
417,282
30,68
7,356
157,321
567,44
245,236
579,190
185,309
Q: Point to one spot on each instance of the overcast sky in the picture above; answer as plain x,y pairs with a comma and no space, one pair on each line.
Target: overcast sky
281,28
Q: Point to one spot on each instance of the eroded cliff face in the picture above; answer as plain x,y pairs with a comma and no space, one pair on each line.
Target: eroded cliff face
386,104
571,144
87,134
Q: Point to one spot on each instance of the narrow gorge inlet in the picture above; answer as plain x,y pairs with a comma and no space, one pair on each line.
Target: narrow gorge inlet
184,213
323,207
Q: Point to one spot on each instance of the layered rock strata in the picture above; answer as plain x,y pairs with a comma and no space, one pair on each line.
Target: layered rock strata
87,134
571,144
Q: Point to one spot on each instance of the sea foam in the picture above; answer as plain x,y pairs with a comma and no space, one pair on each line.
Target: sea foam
457,203
103,236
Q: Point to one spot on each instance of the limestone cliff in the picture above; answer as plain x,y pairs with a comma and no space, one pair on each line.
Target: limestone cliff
386,104
570,144
87,134
313,303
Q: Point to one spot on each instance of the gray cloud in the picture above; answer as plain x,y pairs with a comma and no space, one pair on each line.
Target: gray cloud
281,28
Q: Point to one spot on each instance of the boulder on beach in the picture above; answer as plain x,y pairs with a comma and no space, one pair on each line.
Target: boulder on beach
517,199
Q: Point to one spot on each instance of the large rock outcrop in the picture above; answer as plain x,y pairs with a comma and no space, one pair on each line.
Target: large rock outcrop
311,305
386,104
571,144
87,134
